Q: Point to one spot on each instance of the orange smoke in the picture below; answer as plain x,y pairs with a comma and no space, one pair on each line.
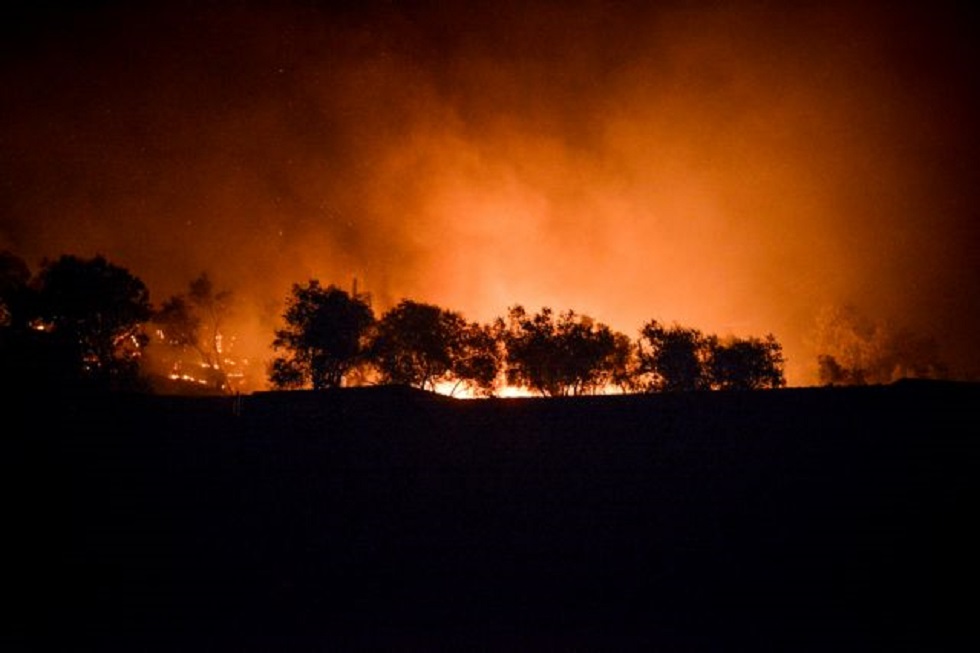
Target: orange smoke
736,168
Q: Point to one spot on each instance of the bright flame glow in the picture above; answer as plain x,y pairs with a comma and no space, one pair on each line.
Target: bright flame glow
510,391
452,389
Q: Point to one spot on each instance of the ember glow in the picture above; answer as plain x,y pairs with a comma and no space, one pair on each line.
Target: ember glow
737,167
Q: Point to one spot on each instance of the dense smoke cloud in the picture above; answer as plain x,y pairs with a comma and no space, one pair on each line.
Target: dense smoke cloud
735,167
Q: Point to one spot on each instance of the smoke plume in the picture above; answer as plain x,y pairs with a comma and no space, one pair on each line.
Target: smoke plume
732,166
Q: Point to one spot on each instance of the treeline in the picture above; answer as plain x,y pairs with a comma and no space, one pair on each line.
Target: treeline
87,322
77,324
332,338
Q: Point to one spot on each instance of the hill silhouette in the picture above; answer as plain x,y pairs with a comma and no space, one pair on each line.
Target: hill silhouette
393,519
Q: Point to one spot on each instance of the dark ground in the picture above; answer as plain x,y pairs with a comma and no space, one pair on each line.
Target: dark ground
387,519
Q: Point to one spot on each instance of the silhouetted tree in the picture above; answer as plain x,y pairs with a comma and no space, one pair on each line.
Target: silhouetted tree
532,350
746,364
590,348
21,359
672,358
568,356
477,359
194,322
624,364
418,344
94,311
326,335
289,374
15,292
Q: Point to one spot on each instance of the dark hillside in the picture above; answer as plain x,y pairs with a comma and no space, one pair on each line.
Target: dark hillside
801,519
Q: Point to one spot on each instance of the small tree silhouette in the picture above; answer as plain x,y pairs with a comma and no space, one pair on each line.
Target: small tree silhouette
326,335
22,360
746,364
15,293
477,359
419,344
672,358
94,311
569,356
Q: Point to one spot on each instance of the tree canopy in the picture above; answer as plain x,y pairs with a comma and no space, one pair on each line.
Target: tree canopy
673,358
568,355
14,289
83,321
679,358
477,359
94,312
326,335
418,344
746,364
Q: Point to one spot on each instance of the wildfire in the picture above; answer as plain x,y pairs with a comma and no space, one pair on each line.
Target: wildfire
186,377
459,391
188,364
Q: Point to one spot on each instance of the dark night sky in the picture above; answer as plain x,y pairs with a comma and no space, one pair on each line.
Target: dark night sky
735,166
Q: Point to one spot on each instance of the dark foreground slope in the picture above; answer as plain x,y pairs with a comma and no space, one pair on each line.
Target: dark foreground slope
812,519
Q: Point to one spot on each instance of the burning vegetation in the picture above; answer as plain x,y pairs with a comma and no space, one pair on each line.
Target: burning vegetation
333,339
856,350
193,342
90,322
733,166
